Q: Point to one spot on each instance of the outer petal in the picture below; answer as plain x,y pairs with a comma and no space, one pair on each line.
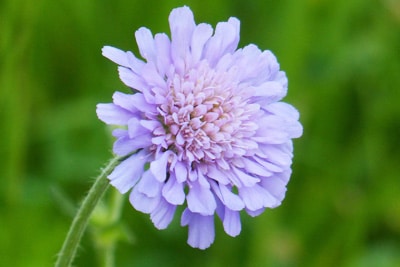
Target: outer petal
269,92
256,198
273,130
159,166
254,213
149,185
129,171
163,46
227,197
268,165
277,154
143,203
124,101
122,58
163,214
201,229
113,114
245,178
201,35
290,118
152,77
125,144
173,191
201,200
181,172
231,222
254,65
236,25
132,79
263,67
275,186
150,125
135,64
284,176
115,55
182,24
135,129
224,41
218,175
139,102
255,168
146,45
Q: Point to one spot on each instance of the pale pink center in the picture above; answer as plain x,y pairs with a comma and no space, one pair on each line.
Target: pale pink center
207,116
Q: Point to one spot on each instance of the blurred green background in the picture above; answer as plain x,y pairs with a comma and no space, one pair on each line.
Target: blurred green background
342,206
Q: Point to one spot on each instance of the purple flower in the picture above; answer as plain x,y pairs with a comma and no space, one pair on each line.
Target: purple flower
204,127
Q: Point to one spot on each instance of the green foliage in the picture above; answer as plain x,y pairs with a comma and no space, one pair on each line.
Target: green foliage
343,63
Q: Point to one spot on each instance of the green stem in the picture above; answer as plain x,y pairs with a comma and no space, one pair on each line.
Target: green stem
78,226
107,252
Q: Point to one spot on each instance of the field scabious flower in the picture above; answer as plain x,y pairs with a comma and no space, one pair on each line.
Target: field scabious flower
204,127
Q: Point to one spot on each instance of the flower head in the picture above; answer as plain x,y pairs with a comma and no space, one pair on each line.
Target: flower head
204,127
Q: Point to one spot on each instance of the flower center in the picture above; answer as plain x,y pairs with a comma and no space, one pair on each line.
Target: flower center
207,116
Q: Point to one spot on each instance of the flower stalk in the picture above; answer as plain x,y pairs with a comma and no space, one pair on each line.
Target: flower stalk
79,223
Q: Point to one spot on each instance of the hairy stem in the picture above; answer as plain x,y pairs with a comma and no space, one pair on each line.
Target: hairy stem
78,226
